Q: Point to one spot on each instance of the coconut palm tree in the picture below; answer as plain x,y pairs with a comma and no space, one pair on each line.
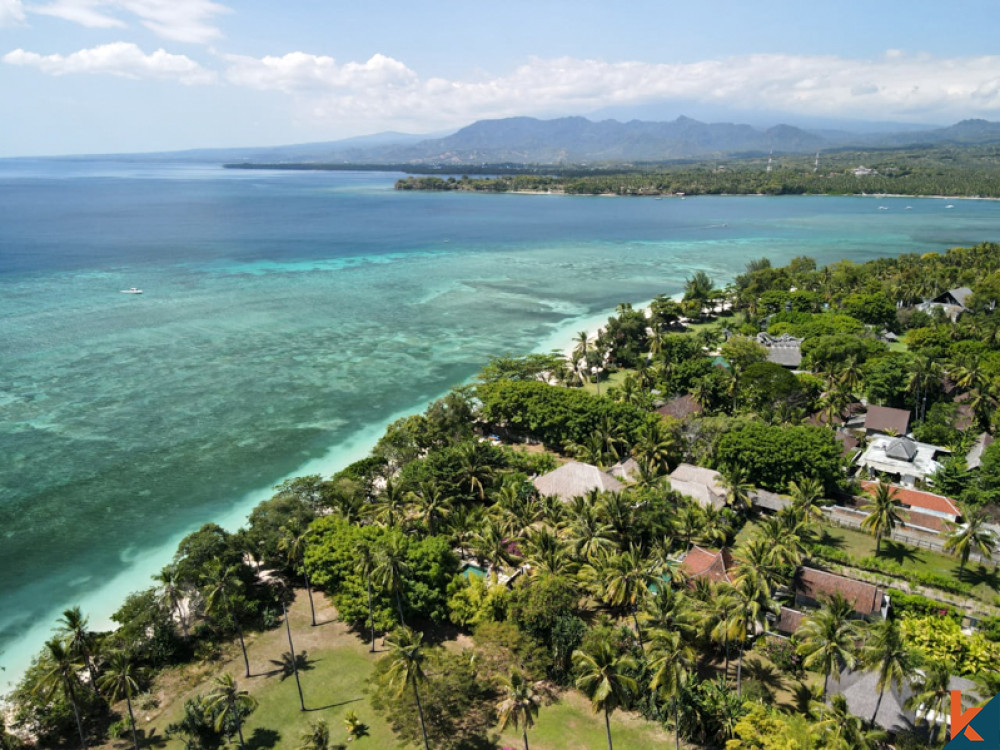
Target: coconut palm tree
316,737
406,657
519,705
582,347
121,680
293,542
805,494
827,639
59,675
669,609
365,563
739,488
750,596
219,585
473,471
671,662
603,679
624,580
491,544
73,627
229,704
172,595
391,504
932,697
431,505
586,532
883,514
885,652
851,731
391,569
655,446
973,535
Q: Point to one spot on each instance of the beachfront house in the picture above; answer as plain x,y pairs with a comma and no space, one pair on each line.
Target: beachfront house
953,302
575,479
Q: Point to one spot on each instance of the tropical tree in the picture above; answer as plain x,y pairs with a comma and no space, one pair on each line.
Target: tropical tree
315,737
883,514
391,503
850,731
973,535
406,657
72,625
121,680
519,705
671,662
229,705
365,564
391,569
59,675
805,493
827,639
886,653
655,446
603,678
293,542
473,470
624,580
932,698
738,487
219,584
172,595
431,505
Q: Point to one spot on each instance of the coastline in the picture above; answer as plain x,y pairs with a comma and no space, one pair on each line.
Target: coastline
101,602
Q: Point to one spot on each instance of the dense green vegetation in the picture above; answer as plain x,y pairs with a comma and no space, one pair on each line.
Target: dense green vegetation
951,171
584,599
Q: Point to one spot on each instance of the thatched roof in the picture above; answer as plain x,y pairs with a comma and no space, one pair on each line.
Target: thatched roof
886,419
704,485
575,479
680,407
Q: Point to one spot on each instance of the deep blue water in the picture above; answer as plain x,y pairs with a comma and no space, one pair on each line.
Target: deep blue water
287,316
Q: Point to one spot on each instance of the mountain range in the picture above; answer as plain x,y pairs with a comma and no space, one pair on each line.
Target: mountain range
577,140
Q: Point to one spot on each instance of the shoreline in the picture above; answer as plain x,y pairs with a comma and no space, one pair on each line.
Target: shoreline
135,575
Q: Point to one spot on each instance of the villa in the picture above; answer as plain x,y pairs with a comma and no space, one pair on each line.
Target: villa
703,485
902,458
925,511
884,420
575,479
702,563
782,350
953,302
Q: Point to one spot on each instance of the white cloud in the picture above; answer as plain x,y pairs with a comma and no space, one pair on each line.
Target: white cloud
179,20
385,91
120,59
11,13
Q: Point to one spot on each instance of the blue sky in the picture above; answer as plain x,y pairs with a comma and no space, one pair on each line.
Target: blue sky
86,76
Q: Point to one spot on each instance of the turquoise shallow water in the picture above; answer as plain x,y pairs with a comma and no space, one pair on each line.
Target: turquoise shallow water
287,317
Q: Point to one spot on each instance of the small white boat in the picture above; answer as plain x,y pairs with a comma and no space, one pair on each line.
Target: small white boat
883,208
132,290
949,206
909,208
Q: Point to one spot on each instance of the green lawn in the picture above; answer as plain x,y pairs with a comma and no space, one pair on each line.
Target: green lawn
337,665
610,381
571,725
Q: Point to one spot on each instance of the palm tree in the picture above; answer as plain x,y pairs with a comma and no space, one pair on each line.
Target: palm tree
883,514
973,535
671,661
739,489
586,532
602,678
625,580
850,730
365,563
669,609
121,680
391,569
172,595
59,674
390,507
293,542
655,446
582,347
73,626
473,471
827,639
316,737
492,545
432,507
406,656
805,494
520,705
886,652
932,697
751,600
229,704
219,584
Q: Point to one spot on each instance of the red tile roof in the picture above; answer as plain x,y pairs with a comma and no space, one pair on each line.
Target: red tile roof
925,521
918,499
703,563
788,620
817,584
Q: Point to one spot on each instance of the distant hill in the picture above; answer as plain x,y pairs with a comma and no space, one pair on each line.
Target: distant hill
579,141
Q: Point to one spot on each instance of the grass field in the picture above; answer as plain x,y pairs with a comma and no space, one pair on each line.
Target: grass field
334,667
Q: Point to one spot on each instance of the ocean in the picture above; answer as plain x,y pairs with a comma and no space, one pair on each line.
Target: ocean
287,317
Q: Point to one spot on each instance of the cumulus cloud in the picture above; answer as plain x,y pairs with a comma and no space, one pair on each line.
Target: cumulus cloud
179,20
897,85
120,59
11,13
